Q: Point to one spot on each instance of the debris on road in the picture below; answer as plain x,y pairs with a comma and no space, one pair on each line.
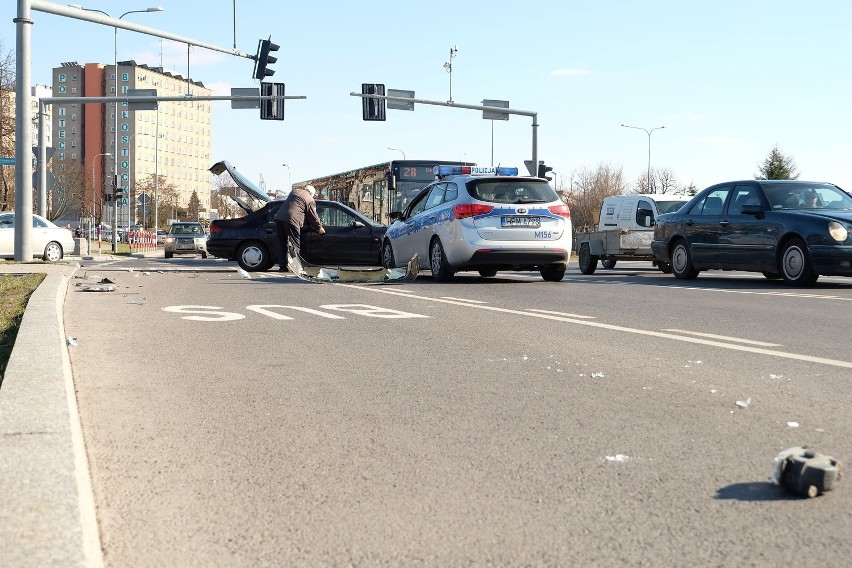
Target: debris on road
805,472
617,458
744,403
72,341
103,285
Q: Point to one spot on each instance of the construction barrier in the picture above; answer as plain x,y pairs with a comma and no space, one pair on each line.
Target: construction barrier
142,241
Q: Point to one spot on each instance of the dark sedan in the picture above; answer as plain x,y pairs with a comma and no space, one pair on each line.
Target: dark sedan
350,238
790,229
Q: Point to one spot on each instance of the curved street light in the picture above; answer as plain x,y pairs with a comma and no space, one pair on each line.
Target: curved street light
398,150
648,132
115,122
289,183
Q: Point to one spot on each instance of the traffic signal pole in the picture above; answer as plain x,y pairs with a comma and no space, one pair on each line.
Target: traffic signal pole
401,100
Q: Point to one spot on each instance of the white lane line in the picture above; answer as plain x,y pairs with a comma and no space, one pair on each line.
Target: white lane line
464,300
754,293
561,314
610,327
725,338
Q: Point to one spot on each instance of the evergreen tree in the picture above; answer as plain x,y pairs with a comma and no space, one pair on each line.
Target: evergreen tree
777,166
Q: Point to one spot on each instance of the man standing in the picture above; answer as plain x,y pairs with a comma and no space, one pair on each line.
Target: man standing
299,209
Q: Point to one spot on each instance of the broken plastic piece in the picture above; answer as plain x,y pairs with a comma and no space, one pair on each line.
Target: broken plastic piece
805,472
72,341
744,403
366,275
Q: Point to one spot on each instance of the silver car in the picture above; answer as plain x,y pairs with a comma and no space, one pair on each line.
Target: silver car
483,219
49,241
185,237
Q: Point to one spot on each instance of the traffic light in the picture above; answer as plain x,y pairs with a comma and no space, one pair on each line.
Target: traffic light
373,109
119,192
262,60
542,171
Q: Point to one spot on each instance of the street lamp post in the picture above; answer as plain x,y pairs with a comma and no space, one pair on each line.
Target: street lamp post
289,183
115,121
648,132
94,195
398,150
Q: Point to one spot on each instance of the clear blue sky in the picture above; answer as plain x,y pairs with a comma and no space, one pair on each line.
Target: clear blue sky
729,79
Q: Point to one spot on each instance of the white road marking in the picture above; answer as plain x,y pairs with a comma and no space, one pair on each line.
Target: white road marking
561,314
725,338
464,300
646,332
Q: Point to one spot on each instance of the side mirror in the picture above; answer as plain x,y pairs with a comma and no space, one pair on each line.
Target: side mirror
751,209
394,215
357,224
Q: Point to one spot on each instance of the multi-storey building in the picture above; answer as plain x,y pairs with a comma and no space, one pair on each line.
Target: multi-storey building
173,142
38,92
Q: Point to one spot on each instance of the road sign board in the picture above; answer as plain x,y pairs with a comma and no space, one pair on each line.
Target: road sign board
493,114
148,105
245,92
396,105
4,161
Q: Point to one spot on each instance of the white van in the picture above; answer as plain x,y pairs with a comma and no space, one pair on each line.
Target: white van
624,230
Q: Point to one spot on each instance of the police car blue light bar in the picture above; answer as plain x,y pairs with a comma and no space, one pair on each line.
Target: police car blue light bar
474,171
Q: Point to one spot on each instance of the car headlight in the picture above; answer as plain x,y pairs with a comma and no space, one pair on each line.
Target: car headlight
170,239
837,231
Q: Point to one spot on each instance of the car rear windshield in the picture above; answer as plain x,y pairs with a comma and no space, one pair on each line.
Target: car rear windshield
511,190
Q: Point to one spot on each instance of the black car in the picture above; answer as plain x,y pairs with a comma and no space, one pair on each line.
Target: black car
350,238
790,229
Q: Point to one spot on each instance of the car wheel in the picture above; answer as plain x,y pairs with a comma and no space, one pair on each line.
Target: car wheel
771,276
488,273
608,263
795,265
664,267
254,256
682,262
169,254
438,262
388,260
553,273
588,261
52,252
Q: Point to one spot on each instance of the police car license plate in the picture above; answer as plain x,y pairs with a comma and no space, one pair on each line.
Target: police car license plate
518,221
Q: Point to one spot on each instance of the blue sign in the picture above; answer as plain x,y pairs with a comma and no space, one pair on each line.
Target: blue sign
7,161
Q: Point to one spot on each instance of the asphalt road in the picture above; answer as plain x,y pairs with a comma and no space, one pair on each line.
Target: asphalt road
507,421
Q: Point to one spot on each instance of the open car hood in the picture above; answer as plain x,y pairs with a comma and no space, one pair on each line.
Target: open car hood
243,183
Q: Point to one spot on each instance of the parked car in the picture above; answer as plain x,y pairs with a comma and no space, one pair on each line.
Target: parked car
161,236
350,238
790,229
185,237
49,241
483,219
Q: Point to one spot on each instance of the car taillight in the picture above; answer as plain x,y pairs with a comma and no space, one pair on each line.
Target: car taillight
465,210
561,210
215,229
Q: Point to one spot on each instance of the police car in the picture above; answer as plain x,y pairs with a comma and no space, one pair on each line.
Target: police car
482,219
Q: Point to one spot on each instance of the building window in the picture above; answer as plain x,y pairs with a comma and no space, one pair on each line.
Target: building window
74,90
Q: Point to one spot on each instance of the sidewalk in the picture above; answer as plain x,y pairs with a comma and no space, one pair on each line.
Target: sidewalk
47,512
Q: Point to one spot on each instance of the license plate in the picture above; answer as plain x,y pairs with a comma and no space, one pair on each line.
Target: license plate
519,221
186,247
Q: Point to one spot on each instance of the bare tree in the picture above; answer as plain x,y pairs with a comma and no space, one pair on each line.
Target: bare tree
588,189
69,190
663,180
167,198
7,127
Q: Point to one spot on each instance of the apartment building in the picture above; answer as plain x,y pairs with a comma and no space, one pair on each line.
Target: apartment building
173,141
8,107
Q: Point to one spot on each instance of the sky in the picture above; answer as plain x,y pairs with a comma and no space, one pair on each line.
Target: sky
728,80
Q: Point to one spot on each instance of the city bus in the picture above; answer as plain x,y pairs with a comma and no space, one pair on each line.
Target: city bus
379,189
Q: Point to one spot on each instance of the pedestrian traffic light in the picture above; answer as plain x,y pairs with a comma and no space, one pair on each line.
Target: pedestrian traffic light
119,192
373,109
262,60
542,171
